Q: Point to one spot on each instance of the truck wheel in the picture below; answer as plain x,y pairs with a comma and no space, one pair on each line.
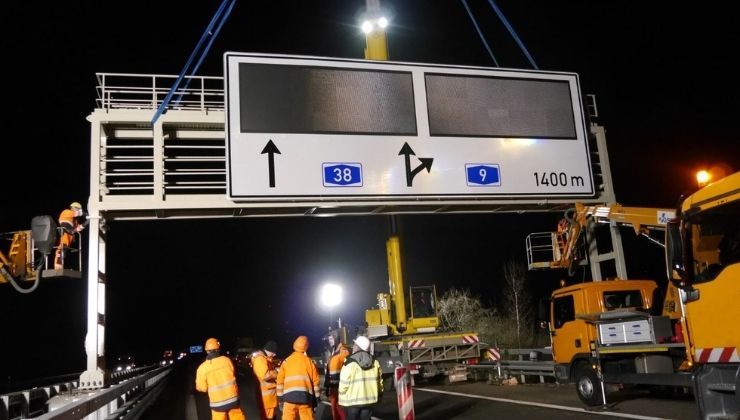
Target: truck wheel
588,385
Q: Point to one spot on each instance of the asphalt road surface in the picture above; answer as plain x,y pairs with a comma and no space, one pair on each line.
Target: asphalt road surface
476,400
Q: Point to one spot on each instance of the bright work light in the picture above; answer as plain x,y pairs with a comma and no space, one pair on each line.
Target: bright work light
331,295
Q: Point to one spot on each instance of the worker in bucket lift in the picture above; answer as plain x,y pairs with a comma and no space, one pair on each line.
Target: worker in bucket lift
331,381
264,366
298,383
69,222
216,376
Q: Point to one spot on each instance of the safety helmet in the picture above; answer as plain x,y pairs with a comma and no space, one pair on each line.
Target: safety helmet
212,344
75,205
363,343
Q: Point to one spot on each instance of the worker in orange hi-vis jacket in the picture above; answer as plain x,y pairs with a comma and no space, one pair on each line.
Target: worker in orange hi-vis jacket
264,367
216,376
69,222
331,382
298,383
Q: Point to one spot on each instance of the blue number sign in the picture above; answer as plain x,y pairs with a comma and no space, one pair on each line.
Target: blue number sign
342,174
482,174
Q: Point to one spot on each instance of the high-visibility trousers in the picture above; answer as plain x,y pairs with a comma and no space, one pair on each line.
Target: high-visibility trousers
235,413
267,413
297,411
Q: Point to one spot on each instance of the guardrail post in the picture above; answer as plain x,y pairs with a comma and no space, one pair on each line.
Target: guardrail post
521,376
26,408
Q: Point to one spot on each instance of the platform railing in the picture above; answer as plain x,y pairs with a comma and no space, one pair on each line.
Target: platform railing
147,91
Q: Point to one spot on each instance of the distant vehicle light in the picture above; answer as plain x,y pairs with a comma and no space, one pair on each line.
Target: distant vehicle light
383,22
119,368
367,27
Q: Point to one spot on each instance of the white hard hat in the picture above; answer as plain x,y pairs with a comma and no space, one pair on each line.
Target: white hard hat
362,342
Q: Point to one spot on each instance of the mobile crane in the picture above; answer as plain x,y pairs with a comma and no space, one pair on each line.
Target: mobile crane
415,340
614,332
405,331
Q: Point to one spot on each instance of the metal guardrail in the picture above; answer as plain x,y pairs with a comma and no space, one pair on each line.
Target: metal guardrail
64,400
107,403
32,400
528,362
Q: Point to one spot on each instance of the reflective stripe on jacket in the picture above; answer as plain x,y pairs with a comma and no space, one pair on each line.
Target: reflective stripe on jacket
298,380
358,386
266,375
216,376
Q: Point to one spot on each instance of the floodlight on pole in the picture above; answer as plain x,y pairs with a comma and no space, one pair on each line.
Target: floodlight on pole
331,295
374,23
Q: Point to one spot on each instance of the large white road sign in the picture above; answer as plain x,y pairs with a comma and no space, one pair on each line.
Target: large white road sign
313,129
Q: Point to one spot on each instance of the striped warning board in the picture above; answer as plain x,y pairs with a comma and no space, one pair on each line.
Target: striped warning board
470,339
404,394
416,344
493,353
717,355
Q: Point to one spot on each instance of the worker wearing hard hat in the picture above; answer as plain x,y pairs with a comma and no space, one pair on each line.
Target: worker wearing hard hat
360,381
216,376
331,382
69,222
264,367
298,383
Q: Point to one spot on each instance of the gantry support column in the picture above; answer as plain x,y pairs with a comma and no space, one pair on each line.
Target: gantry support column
94,376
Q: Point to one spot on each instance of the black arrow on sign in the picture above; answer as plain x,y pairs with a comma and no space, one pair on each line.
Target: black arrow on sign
271,149
426,163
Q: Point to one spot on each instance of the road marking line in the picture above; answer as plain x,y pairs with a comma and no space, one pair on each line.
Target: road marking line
543,405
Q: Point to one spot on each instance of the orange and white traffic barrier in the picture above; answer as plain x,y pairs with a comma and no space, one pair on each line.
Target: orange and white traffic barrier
404,393
493,353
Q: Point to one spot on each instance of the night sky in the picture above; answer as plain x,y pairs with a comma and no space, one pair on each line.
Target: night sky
667,91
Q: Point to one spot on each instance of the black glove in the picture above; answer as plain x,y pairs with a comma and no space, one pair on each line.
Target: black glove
314,402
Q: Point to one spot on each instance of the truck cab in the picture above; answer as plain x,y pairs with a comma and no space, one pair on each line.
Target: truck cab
572,306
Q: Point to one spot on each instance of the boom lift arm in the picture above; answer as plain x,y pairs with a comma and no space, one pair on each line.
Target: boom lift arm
576,222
